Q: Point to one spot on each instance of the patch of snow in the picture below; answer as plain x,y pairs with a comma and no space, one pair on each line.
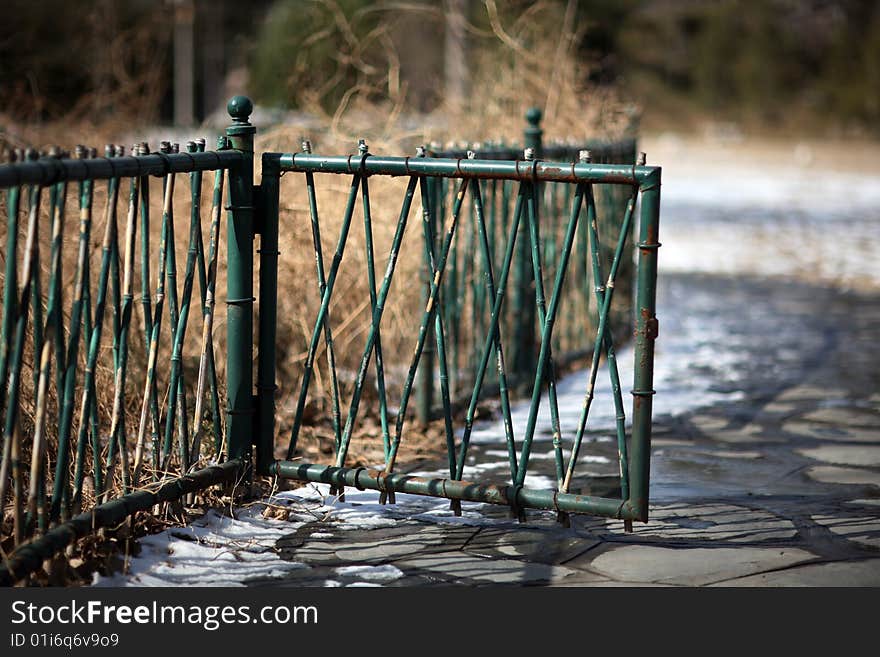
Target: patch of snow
790,221
385,573
215,550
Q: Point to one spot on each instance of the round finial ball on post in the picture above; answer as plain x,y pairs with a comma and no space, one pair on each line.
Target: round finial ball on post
240,108
534,115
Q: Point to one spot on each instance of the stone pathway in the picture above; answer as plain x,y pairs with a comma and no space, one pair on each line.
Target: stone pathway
780,486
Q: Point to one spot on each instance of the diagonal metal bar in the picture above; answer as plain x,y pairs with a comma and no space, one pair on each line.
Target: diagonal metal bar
60,492
117,420
17,348
156,323
328,331
376,320
439,334
37,290
206,372
493,338
493,330
37,310
544,368
427,320
168,255
146,303
54,307
38,450
94,343
176,391
598,344
548,323
608,341
10,320
322,314
371,281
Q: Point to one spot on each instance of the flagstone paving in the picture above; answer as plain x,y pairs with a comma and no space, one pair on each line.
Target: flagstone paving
777,487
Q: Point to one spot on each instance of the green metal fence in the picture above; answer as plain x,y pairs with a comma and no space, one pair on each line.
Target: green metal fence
76,457
521,258
497,255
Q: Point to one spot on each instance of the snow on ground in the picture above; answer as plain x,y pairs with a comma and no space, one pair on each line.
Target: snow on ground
213,551
811,213
218,550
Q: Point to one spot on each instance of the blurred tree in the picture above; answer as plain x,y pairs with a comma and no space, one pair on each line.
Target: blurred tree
770,62
87,59
319,51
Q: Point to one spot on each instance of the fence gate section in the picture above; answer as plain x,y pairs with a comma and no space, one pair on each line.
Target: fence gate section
478,243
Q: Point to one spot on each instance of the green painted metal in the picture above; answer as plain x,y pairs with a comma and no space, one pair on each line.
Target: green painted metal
646,333
53,337
371,280
322,315
117,437
374,331
472,303
207,377
30,557
493,340
240,284
514,496
94,342
425,385
322,287
493,233
439,334
268,304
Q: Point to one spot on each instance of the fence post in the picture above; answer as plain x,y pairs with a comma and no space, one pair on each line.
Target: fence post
645,333
268,307
240,284
525,356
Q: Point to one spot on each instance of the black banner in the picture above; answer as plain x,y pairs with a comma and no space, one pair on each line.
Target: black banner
44,621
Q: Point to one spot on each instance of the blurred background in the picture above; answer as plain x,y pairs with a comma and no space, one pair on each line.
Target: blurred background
722,67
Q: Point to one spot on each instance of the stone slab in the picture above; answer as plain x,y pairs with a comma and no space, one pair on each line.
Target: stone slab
670,442
780,407
864,530
810,393
864,455
730,454
839,573
749,434
846,416
833,433
548,546
872,502
709,522
380,545
709,423
464,568
691,566
835,475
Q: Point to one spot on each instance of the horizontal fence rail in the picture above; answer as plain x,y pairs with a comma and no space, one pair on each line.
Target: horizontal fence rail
495,256
112,401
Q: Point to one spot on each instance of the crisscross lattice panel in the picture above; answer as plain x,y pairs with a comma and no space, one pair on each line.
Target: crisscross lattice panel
107,347
440,236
